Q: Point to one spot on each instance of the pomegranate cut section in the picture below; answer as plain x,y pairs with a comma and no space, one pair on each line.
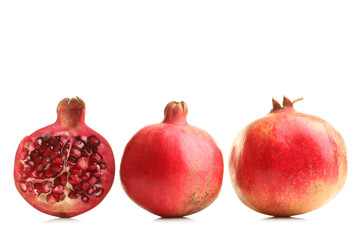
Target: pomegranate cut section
66,168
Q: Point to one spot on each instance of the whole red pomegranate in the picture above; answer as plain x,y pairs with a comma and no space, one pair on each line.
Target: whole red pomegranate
66,168
287,163
172,169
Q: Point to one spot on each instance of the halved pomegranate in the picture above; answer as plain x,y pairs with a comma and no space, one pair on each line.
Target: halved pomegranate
66,168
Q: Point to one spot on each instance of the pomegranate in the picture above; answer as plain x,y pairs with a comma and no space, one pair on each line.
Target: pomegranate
172,169
287,163
66,168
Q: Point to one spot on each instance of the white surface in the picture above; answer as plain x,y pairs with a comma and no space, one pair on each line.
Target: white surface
226,59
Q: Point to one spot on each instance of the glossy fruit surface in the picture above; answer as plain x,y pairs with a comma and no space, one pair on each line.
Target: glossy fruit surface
66,168
172,169
287,163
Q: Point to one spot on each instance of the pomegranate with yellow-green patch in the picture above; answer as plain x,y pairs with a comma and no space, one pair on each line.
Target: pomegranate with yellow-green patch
287,163
172,169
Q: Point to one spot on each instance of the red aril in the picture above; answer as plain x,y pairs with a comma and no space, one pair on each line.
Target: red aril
287,163
66,168
172,169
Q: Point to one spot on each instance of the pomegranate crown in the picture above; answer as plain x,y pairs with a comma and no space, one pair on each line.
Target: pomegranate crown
71,112
175,112
287,104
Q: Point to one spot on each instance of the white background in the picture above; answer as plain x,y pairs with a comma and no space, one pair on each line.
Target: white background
226,59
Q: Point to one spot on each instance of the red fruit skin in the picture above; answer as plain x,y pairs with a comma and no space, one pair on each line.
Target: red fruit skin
172,169
287,163
70,127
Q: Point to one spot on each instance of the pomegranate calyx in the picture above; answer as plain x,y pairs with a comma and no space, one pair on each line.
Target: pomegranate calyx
71,112
287,104
175,112
276,106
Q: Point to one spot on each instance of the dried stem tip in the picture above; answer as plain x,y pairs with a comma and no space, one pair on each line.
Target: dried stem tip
287,104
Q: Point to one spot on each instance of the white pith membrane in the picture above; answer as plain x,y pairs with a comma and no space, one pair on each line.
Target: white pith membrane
62,168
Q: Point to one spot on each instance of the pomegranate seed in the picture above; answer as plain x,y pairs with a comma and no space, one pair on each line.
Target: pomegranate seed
42,148
37,159
22,167
54,154
83,163
24,153
74,179
97,174
75,153
30,186
84,198
66,148
87,148
73,195
47,186
79,144
49,174
34,174
25,174
99,192
58,190
23,186
84,186
95,149
45,161
61,180
93,140
85,176
48,166
57,146
52,141
93,167
103,166
39,168
77,189
96,158
38,188
29,164
57,168
57,160
38,143
47,152
34,153
72,160
92,181
75,170
91,190
62,197
51,198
